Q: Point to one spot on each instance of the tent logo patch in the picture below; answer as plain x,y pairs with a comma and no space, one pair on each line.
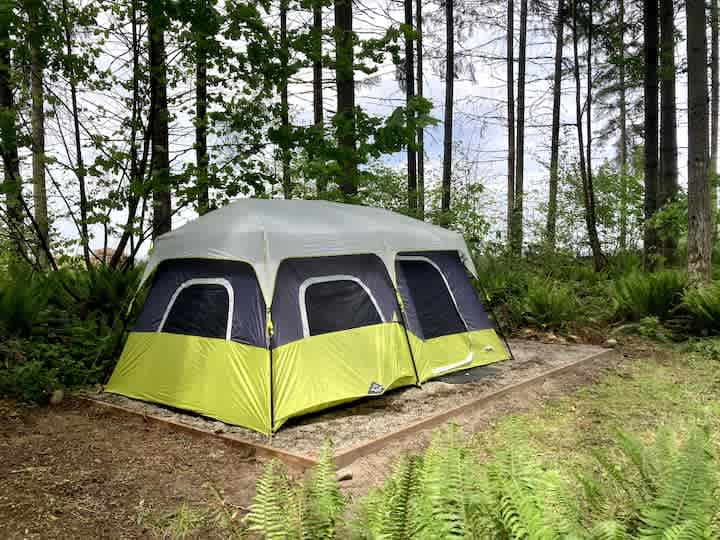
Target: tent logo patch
375,389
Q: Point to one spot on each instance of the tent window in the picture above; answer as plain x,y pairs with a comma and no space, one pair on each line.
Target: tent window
334,303
200,307
434,303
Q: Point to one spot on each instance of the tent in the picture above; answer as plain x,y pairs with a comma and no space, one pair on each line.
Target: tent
266,310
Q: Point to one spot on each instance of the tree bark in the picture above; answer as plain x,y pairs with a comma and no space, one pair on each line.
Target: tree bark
449,91
420,131
588,191
345,81
160,163
37,120
624,195
409,95
201,118
317,83
550,230
284,105
79,163
715,110
650,52
668,183
699,214
517,240
511,119
8,135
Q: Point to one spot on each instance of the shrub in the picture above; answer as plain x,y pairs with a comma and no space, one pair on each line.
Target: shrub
501,279
648,295
703,307
29,381
547,304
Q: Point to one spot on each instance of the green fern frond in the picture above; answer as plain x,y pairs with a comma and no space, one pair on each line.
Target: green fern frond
324,501
685,500
609,530
268,513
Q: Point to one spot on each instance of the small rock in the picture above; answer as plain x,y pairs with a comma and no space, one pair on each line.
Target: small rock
341,476
611,342
56,397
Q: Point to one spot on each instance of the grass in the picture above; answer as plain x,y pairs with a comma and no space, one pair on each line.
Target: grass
674,389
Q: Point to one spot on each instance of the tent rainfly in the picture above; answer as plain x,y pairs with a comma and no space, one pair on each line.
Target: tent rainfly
265,310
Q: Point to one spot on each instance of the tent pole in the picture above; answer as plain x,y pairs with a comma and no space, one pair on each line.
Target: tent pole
270,357
405,331
497,321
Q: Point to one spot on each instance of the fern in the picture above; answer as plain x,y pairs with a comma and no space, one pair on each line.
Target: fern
609,530
268,513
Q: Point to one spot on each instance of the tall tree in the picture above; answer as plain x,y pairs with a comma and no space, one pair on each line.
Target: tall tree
8,131
35,10
409,95
555,136
201,105
510,62
80,172
345,81
588,191
650,53
623,142
316,34
668,182
715,108
699,214
449,90
518,192
284,104
159,118
420,130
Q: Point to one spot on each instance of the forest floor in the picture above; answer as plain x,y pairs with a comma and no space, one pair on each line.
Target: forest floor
76,471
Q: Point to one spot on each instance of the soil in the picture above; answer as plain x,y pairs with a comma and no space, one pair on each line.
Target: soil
76,471
370,418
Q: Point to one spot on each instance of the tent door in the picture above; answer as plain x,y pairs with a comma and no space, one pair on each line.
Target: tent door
438,333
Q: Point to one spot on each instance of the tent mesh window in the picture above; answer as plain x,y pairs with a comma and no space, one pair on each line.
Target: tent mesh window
435,308
199,310
332,306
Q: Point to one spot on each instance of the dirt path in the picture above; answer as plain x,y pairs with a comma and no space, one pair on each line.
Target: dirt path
75,471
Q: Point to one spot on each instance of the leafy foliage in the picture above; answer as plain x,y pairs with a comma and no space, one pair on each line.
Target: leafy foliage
283,508
640,295
547,304
703,305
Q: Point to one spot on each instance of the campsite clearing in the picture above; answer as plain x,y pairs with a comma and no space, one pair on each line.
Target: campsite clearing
75,470
362,427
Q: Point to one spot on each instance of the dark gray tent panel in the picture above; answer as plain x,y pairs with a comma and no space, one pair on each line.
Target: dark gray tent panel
437,293
205,298
330,294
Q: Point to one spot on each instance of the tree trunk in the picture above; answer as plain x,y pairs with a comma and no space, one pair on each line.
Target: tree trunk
668,183
699,214
317,62
517,239
8,135
624,195
284,105
201,118
137,168
345,81
37,120
715,111
550,230
420,131
511,119
160,164
449,90
409,95
79,163
588,192
650,51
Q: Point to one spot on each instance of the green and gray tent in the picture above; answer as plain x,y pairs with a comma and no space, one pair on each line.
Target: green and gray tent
266,310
